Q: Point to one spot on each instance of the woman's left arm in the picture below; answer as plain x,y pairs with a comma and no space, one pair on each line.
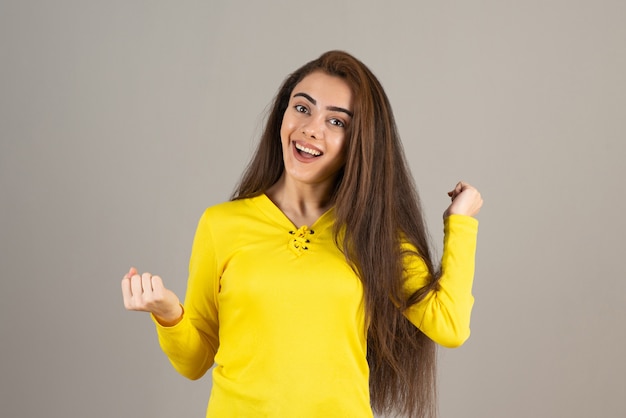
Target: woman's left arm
444,314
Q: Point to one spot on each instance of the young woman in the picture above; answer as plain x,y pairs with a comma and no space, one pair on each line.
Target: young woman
313,290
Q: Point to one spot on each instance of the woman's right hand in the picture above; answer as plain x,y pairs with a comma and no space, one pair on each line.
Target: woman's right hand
146,293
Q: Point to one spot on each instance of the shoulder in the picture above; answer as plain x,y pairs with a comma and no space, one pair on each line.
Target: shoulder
230,214
229,209
222,222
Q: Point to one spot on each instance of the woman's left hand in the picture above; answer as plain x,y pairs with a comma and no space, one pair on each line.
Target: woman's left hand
466,200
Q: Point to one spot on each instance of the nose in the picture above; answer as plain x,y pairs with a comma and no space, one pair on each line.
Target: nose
313,128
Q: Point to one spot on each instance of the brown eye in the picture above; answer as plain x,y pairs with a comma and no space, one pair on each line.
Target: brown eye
337,123
301,109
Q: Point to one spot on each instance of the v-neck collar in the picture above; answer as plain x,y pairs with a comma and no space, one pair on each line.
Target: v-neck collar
267,206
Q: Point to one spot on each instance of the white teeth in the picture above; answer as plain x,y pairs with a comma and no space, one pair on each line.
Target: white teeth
308,150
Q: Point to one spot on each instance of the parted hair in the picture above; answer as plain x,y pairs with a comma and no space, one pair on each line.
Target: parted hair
376,206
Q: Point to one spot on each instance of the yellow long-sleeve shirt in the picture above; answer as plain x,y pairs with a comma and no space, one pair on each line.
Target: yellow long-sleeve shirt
281,313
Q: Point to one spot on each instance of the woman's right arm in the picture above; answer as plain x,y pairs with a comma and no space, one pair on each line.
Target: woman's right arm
189,335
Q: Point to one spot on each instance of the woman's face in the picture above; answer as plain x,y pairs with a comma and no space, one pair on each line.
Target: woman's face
314,128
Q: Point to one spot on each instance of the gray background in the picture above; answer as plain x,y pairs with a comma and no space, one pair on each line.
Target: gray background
120,121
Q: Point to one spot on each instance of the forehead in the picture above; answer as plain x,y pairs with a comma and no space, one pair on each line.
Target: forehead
327,90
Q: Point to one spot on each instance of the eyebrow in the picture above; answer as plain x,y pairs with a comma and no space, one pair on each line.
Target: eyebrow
333,108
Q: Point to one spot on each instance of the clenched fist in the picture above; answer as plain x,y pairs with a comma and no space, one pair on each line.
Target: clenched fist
146,293
466,200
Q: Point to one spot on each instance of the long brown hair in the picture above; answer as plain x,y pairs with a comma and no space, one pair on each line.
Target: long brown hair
376,206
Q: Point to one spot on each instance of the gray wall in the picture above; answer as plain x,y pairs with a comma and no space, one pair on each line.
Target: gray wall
120,121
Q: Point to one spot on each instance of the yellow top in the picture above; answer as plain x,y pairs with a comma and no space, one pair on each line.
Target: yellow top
280,312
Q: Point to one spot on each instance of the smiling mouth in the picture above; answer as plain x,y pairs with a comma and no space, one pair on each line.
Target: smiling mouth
310,152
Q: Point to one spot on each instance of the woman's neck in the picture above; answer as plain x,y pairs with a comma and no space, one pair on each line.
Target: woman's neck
303,204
